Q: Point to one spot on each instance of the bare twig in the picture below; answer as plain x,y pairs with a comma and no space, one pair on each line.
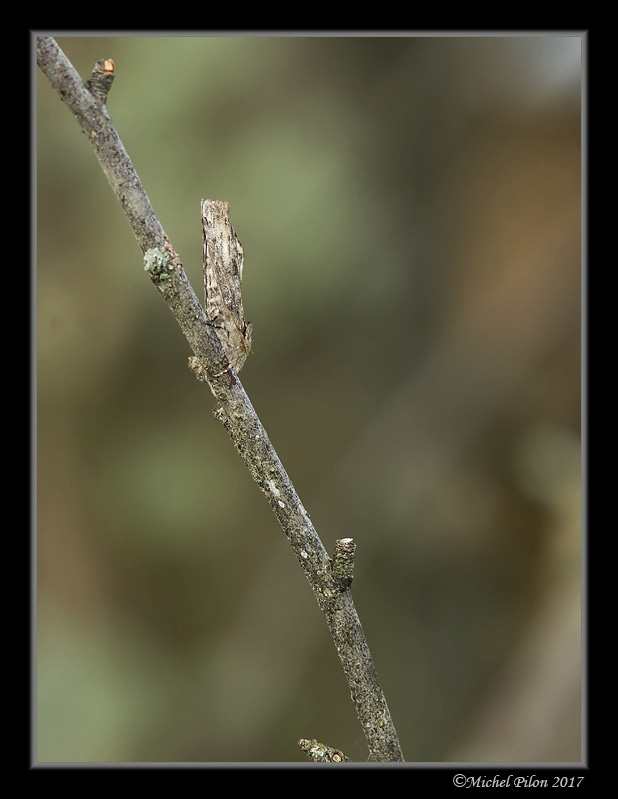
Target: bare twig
234,409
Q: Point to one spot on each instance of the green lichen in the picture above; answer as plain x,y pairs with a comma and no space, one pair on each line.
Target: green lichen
156,262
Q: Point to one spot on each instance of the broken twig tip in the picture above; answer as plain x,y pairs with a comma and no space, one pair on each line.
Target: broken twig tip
343,563
101,79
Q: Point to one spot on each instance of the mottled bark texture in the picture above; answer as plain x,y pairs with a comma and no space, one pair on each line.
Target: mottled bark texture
234,409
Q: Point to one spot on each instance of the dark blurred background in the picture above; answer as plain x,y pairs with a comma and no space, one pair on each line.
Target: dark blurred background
410,211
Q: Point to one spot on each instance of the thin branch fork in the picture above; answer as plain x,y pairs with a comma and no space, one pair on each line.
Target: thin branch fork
330,580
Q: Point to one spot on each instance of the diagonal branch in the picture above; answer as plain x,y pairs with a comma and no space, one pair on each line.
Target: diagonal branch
234,409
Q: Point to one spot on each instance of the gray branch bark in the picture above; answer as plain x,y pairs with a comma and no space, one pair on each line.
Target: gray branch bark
234,409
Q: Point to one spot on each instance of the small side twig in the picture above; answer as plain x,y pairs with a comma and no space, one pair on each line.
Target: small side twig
320,753
100,82
343,563
330,582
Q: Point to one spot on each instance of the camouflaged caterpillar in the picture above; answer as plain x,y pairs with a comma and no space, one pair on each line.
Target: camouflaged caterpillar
223,266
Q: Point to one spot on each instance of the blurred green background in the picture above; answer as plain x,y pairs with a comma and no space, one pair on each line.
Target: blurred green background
410,213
